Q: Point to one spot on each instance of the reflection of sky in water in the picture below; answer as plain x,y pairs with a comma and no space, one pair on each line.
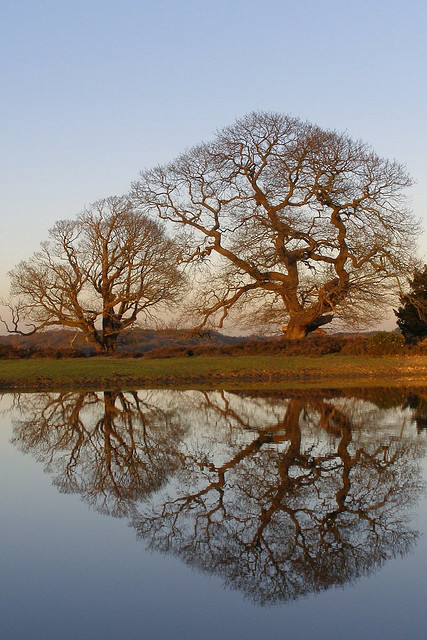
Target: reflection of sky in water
70,572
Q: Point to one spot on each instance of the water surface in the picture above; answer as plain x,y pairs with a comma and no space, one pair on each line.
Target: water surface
188,514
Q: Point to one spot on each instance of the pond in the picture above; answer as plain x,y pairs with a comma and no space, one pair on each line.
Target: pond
213,514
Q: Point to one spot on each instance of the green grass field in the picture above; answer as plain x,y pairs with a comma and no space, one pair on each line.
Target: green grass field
206,371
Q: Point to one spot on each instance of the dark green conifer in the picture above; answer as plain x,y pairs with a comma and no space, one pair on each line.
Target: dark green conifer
412,315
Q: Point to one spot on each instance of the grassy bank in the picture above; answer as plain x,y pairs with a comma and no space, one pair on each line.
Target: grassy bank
202,371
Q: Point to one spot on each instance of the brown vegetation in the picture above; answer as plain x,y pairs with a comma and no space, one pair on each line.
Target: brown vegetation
177,344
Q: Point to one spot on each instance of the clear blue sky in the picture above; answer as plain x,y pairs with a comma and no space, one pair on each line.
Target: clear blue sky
93,91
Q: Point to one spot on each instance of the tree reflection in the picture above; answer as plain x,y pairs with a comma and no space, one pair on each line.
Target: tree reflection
113,448
282,494
308,502
419,405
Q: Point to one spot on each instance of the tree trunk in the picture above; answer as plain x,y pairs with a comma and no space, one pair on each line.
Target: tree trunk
295,331
109,344
300,326
110,333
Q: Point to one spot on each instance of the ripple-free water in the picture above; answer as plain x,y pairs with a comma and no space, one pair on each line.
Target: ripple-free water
188,514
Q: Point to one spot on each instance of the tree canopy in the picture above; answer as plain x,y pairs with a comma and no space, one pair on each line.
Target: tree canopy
412,315
96,274
306,224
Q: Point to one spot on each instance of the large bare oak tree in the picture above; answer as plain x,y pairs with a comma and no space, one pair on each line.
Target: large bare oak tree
305,224
97,274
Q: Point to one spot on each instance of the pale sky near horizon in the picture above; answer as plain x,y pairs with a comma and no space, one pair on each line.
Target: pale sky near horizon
94,91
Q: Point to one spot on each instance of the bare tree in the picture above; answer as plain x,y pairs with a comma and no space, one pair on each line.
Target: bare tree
307,224
97,274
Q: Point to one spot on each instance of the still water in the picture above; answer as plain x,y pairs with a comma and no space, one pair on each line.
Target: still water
189,514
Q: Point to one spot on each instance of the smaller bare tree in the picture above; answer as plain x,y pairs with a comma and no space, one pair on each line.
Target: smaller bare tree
96,274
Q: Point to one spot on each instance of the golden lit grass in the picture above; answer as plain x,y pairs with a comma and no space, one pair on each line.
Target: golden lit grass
205,370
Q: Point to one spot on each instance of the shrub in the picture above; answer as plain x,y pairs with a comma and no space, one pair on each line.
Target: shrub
385,343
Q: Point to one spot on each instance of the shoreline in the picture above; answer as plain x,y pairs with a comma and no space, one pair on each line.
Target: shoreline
211,372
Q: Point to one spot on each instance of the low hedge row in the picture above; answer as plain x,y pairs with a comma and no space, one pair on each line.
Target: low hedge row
377,344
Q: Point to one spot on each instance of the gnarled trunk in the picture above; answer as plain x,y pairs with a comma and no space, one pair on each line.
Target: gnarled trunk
300,326
109,343
295,331
110,333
